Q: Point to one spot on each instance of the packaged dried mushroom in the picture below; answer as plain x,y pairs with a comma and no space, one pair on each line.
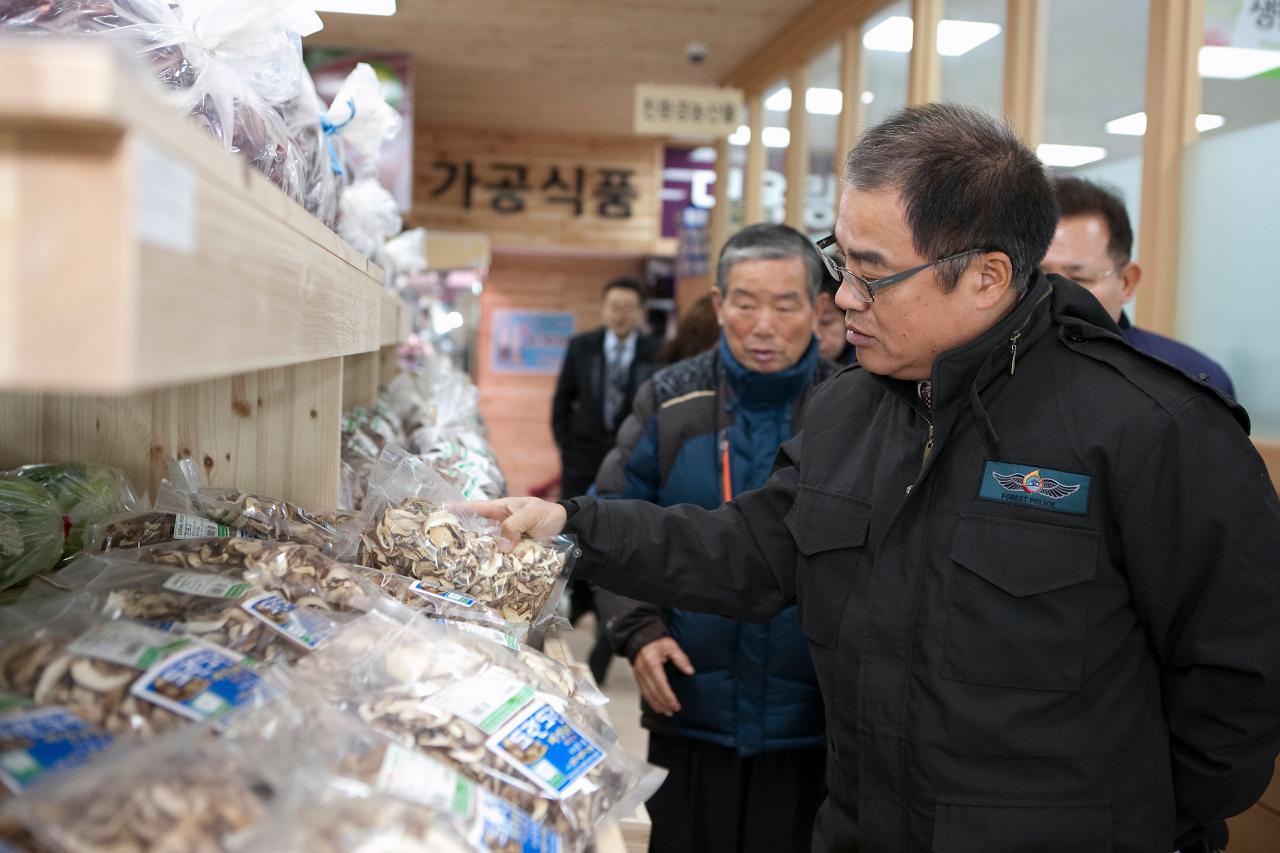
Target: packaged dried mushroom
432,689
228,612
188,791
255,516
38,742
419,539
435,602
140,529
126,677
301,574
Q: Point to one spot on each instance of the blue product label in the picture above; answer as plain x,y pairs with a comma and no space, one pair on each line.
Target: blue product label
546,748
45,739
307,628
443,595
202,682
1035,487
504,827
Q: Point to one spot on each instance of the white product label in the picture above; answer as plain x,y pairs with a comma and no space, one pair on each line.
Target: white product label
207,586
414,777
446,595
164,204
486,700
195,527
126,644
488,633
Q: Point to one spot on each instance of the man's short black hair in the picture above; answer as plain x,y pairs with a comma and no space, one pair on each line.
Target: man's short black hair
626,283
966,181
1078,197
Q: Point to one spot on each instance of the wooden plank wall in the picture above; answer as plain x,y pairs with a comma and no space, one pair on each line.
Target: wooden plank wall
517,407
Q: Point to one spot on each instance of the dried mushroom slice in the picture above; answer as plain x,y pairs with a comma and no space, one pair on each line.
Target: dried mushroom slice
47,669
299,573
140,529
202,803
421,541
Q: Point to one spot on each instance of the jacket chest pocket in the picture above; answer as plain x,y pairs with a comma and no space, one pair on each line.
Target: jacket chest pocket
1018,603
830,531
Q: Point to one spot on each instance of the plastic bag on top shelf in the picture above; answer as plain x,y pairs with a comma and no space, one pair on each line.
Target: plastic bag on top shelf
229,612
466,704
255,516
86,493
322,154
226,63
32,530
368,216
408,530
129,678
360,116
404,254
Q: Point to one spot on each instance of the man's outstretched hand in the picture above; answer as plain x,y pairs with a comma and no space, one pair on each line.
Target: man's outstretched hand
532,517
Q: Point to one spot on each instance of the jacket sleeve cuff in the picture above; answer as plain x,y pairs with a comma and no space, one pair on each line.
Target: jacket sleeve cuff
641,637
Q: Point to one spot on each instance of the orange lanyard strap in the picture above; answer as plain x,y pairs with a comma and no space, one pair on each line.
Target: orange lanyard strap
726,478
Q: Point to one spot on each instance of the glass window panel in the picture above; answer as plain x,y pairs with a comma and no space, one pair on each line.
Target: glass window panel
777,135
886,59
823,103
971,39
1227,303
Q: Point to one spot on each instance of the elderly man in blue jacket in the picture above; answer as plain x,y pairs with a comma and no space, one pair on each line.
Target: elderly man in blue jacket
733,710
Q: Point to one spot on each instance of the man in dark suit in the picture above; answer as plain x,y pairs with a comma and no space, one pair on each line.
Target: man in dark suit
602,370
598,380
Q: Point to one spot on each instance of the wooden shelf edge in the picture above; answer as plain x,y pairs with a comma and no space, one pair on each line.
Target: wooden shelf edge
96,302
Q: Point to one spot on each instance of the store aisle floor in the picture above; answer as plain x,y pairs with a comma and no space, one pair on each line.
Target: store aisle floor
620,686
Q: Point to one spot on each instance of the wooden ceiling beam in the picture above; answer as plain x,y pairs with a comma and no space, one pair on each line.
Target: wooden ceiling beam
815,29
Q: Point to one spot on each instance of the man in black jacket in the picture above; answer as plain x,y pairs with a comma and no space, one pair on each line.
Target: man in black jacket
602,370
1037,568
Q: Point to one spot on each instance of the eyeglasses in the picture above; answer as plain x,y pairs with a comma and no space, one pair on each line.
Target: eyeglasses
866,288
1088,279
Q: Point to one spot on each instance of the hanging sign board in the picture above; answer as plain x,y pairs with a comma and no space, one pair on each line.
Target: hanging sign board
687,110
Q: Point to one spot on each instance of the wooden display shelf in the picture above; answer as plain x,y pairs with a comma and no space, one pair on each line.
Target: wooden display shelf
135,252
160,298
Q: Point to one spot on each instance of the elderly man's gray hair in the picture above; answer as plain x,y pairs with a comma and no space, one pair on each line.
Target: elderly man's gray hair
770,242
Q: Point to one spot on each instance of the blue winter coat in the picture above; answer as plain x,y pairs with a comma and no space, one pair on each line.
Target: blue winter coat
754,689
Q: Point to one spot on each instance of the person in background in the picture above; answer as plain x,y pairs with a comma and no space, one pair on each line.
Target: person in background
697,331
733,710
1092,247
828,325
602,370
1038,569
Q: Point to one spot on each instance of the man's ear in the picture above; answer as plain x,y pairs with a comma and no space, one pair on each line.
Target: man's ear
994,278
717,301
1130,275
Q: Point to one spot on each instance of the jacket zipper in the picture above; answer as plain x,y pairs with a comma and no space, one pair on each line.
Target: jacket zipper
1013,340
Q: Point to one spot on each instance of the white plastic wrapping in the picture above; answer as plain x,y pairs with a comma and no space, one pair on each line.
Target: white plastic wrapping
368,216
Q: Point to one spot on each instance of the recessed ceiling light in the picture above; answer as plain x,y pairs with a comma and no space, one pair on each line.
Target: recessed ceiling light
702,154
1209,121
868,96
1236,63
356,7
778,101
775,137
741,136
1069,155
825,102
1135,124
893,34
956,38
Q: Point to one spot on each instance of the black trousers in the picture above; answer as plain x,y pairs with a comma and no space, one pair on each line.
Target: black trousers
715,802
